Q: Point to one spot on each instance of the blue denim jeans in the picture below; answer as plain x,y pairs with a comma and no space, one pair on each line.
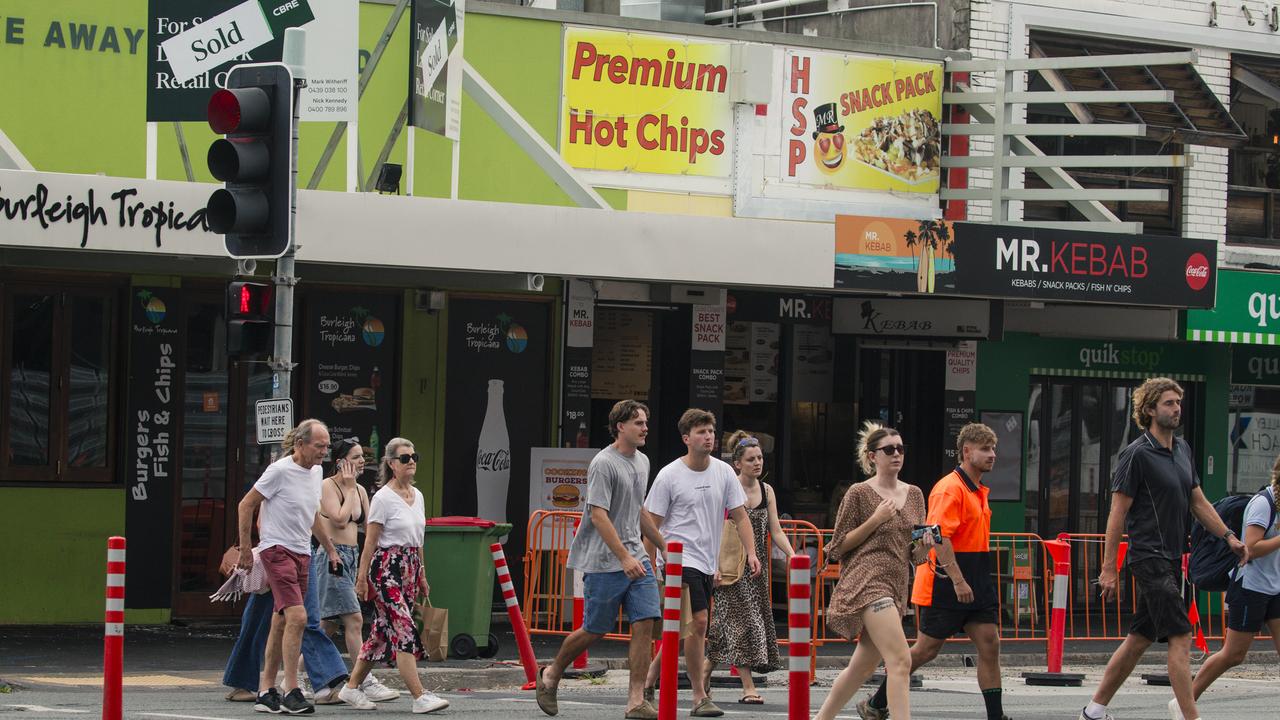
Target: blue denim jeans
323,663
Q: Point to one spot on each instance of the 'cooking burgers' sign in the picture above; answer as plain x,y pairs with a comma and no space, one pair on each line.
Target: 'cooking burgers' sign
863,123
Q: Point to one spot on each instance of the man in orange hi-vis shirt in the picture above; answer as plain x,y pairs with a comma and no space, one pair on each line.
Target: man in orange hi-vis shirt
954,591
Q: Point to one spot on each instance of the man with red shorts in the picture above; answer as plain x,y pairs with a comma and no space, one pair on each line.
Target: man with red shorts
289,494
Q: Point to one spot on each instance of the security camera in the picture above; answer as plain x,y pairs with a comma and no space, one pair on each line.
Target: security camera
534,282
247,266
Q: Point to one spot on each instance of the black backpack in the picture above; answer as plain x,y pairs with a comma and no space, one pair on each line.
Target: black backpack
1211,560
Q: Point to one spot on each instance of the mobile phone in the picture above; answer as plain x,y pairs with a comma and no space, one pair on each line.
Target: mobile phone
336,570
934,530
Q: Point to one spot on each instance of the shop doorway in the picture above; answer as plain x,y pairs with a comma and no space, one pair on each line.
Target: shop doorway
1076,430
220,457
905,389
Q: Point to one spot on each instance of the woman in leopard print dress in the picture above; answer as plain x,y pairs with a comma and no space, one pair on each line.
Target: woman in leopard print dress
741,631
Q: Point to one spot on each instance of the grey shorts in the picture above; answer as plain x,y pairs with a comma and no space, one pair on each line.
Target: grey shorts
335,594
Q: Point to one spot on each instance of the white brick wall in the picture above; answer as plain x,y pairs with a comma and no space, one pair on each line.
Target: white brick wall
1205,182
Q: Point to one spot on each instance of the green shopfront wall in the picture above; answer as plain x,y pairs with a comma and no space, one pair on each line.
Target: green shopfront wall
1005,369
57,555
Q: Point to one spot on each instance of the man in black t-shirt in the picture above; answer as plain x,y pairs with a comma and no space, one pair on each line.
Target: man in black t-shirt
1153,491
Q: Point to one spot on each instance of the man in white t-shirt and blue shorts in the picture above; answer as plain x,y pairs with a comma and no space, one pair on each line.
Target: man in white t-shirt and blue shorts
289,495
609,552
688,503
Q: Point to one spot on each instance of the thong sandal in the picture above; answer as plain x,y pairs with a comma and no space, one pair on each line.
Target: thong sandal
752,699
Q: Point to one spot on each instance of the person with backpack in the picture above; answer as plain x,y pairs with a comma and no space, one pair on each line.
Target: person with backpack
1153,489
1253,597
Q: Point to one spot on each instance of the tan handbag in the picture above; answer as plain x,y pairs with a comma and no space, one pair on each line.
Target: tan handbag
435,631
733,558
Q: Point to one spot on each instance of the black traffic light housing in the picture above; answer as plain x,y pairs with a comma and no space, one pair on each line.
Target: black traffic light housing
250,310
254,208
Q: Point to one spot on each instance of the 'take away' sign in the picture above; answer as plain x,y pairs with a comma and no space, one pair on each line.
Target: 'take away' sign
241,29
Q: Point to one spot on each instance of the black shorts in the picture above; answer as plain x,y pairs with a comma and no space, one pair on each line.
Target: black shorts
1160,612
1247,610
700,585
944,622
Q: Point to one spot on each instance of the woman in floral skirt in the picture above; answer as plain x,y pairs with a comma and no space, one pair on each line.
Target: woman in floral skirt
392,565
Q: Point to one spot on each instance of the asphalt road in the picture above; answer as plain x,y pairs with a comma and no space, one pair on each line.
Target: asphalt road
948,693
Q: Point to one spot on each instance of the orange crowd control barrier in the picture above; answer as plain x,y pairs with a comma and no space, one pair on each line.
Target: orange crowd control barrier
1020,566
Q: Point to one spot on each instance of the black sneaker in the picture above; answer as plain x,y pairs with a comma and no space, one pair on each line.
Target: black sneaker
268,702
295,704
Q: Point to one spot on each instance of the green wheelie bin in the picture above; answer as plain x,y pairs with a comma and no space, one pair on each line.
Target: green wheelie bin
460,570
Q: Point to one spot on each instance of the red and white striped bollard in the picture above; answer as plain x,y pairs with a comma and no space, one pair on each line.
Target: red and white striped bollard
799,637
1060,551
670,677
527,658
113,636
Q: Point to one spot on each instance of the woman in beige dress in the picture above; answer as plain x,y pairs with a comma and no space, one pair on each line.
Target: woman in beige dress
872,542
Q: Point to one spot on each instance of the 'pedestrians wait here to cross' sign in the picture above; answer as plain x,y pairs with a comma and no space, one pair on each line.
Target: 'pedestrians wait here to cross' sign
275,417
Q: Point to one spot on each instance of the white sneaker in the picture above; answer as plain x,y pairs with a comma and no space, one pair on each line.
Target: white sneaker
355,698
376,691
1106,716
429,702
1175,712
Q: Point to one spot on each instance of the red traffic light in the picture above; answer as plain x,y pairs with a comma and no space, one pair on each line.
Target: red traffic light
239,110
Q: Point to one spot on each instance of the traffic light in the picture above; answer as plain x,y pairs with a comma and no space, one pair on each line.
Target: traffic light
250,309
254,208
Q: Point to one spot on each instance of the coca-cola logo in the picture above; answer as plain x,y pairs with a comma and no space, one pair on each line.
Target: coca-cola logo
1197,271
493,460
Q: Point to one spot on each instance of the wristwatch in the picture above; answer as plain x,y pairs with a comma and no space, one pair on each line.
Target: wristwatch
1230,534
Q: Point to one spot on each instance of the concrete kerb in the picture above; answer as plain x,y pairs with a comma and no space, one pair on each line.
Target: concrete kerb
487,675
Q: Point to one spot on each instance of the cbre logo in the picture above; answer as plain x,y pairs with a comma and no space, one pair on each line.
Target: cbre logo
1197,271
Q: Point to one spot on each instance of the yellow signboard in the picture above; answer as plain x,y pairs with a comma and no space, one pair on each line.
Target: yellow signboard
645,103
853,122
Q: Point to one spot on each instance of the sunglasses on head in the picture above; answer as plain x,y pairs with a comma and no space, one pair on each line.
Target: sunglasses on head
404,458
748,442
892,450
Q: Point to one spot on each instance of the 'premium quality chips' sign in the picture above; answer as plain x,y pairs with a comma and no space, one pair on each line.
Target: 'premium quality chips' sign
645,103
856,122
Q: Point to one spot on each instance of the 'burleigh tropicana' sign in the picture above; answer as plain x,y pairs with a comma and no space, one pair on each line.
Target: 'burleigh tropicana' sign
92,212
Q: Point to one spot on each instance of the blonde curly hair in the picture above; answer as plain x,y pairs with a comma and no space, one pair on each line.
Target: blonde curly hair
868,439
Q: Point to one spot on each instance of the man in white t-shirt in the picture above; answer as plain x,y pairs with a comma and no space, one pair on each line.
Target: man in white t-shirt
688,503
289,495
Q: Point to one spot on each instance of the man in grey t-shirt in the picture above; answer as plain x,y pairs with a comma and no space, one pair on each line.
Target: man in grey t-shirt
608,551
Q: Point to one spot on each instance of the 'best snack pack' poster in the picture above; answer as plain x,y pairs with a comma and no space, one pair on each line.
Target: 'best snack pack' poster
864,123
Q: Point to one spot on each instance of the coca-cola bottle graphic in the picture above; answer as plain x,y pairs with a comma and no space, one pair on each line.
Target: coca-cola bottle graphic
493,459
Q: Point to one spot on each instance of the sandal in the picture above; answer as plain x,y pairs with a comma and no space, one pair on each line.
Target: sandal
751,699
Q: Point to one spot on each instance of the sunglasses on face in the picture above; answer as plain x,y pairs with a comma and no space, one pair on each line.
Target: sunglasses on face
892,450
406,458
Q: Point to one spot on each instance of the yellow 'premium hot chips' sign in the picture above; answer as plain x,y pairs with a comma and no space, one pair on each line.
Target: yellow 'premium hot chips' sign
645,103
862,123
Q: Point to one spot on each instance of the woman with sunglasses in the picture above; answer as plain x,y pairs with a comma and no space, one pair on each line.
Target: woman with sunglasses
344,505
392,565
741,632
872,542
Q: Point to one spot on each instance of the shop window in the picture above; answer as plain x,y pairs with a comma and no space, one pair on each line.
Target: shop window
1158,218
57,395
1253,170
1253,423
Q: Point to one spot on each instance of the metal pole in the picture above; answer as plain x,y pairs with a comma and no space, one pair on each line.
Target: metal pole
295,47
